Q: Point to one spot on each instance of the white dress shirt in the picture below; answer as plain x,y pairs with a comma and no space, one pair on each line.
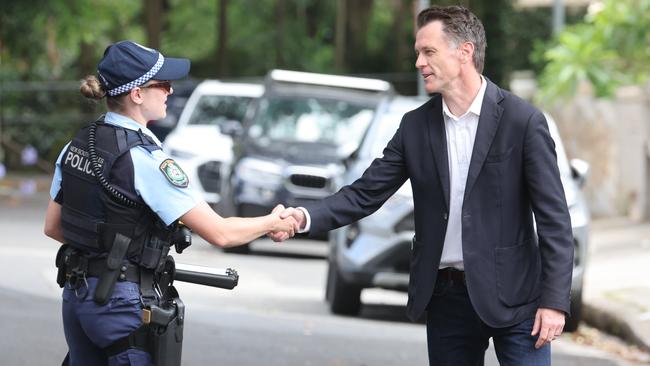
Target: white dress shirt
461,133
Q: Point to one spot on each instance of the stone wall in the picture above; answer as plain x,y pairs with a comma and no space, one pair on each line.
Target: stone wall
612,135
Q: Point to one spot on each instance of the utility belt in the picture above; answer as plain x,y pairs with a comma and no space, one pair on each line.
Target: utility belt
161,333
96,267
163,313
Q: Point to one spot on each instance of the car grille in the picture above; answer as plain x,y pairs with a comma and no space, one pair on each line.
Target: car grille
210,176
308,181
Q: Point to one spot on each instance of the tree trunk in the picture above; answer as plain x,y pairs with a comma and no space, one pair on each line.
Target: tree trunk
153,13
339,43
86,66
52,50
222,39
358,12
281,20
400,18
86,60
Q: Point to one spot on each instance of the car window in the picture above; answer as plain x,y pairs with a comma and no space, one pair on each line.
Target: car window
328,121
388,124
214,109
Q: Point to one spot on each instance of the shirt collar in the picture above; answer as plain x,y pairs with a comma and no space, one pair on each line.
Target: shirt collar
120,120
474,108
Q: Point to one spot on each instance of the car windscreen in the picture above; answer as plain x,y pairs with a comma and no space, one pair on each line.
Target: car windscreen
215,109
386,128
310,120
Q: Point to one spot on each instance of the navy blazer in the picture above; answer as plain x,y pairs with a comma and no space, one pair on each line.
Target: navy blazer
510,269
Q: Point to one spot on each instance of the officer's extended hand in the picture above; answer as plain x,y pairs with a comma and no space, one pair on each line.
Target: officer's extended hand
549,323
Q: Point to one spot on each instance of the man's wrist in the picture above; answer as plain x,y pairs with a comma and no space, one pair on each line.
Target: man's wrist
307,226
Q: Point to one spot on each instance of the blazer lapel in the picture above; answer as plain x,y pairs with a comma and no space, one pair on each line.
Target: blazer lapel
488,124
438,140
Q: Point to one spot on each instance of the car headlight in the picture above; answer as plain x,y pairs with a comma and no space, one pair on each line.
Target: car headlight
259,172
351,234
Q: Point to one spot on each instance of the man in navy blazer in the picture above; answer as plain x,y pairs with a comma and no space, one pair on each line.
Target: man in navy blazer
481,162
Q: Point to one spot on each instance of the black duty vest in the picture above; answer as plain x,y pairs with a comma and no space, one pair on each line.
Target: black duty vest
90,215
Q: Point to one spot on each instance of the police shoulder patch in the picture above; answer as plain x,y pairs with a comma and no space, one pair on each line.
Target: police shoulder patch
174,174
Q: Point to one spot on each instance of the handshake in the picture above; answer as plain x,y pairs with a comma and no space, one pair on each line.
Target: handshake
291,221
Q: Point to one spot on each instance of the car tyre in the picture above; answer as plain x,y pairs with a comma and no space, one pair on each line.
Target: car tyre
573,321
344,298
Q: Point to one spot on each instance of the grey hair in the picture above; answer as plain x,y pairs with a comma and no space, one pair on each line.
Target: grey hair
459,25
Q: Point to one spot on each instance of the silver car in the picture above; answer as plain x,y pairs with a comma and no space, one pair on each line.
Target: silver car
375,251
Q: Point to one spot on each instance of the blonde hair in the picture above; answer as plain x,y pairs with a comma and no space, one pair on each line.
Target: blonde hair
91,88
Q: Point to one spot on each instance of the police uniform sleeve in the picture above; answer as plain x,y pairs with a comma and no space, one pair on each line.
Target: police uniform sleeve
162,184
55,187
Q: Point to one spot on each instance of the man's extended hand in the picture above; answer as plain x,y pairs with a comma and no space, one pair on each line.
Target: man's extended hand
297,214
549,323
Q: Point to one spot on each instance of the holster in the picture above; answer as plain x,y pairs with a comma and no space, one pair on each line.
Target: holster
166,330
62,257
161,333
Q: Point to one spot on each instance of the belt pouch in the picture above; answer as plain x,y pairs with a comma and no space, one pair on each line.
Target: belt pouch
113,262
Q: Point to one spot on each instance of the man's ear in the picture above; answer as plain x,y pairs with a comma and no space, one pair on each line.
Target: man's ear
136,95
466,51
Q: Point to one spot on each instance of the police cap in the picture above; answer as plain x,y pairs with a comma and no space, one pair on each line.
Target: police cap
127,65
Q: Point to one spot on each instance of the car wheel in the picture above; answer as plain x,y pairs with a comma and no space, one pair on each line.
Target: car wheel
343,298
572,322
241,249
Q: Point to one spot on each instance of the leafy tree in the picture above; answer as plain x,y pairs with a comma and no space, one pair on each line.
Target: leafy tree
610,48
52,40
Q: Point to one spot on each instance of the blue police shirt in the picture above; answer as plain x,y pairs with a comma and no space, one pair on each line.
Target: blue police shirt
168,201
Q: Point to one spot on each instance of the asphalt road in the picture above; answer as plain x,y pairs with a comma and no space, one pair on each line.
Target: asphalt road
276,316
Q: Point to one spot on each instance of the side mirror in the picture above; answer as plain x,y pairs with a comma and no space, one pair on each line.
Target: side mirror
579,171
231,128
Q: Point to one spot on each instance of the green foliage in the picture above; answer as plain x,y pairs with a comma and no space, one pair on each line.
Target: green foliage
46,42
611,48
40,39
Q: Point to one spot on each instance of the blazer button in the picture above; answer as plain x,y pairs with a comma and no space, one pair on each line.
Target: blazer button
445,216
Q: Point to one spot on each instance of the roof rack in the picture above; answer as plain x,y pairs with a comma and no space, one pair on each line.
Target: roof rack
351,82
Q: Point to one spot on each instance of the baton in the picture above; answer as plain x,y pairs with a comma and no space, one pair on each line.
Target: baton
207,276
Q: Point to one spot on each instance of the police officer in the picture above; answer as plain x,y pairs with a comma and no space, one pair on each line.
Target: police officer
116,199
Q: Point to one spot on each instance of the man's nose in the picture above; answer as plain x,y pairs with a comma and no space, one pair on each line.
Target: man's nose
419,62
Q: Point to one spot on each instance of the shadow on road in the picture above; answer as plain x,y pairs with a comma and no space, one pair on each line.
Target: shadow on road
281,254
384,312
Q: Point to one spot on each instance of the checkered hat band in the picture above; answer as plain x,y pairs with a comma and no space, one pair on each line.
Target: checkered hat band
141,80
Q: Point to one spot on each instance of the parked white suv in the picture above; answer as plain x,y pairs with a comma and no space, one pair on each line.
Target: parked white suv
202,142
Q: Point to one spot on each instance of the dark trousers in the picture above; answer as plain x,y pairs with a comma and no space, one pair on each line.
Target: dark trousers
89,327
457,336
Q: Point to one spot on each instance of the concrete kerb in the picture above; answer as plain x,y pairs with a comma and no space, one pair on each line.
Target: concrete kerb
609,317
